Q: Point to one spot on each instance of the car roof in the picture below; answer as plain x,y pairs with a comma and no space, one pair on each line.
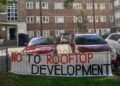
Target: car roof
85,34
35,38
115,33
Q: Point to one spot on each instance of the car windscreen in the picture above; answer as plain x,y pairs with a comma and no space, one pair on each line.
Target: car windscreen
115,37
89,40
41,41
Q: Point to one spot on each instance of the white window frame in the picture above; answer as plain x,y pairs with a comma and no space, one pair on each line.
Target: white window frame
102,6
12,13
45,19
77,5
30,19
59,5
44,5
31,34
59,19
37,4
97,19
90,30
96,6
59,32
29,4
38,19
77,19
46,33
38,33
90,19
89,6
103,18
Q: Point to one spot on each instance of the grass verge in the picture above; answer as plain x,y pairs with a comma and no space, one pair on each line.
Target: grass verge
17,80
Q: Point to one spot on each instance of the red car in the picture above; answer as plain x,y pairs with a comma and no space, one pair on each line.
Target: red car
40,45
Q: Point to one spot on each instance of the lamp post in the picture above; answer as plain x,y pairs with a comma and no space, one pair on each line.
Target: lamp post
93,11
41,23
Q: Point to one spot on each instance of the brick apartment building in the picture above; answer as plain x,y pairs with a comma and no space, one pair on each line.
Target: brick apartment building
12,23
57,19
51,17
116,15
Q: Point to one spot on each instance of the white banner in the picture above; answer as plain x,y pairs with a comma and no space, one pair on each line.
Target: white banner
66,65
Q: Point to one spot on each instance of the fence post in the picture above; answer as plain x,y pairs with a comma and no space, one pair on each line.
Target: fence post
7,60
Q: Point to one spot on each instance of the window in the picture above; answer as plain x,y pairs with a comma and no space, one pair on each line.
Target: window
38,33
58,5
12,11
77,5
90,19
89,6
96,18
58,32
97,31
31,34
110,5
44,5
91,30
45,19
59,19
29,4
46,33
96,6
103,18
37,19
102,6
117,15
77,19
37,4
41,41
105,31
115,37
116,2
30,19
111,18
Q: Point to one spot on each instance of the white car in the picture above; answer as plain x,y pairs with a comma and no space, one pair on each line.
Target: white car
114,42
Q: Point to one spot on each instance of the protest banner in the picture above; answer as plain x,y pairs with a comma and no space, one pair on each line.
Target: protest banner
64,65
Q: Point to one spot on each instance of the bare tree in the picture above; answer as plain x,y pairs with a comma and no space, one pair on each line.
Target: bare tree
68,3
82,22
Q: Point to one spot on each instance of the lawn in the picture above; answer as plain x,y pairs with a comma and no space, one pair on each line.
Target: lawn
17,80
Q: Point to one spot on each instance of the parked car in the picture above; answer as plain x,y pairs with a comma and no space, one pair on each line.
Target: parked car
84,43
114,42
40,45
90,43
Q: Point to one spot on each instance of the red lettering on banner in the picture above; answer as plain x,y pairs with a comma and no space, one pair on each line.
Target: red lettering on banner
49,59
16,57
90,56
64,59
85,57
72,58
82,58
